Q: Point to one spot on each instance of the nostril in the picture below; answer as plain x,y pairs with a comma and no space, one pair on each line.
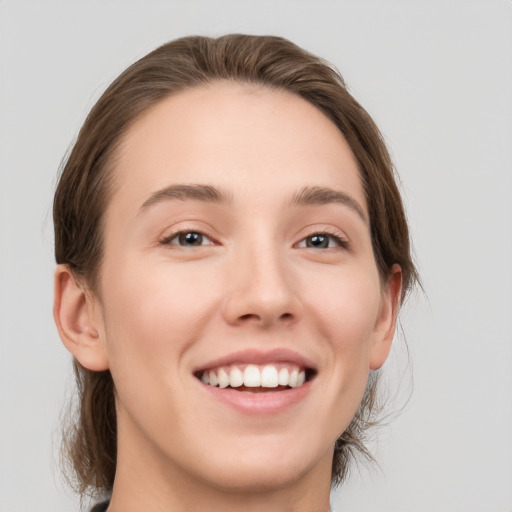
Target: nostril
248,316
285,317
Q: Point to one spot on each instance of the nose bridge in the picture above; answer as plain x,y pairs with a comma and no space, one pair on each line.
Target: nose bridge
261,288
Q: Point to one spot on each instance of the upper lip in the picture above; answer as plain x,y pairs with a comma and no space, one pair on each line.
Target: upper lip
257,356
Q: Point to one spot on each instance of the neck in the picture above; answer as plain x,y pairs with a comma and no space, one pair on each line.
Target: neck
199,499
147,480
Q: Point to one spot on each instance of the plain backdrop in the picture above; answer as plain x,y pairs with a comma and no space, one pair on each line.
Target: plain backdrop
437,78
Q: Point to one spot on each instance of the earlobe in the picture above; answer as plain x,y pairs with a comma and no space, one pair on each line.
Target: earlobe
386,323
78,321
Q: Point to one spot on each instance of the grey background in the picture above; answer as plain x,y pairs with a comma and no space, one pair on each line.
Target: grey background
437,78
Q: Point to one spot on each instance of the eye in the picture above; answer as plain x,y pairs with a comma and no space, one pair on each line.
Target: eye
322,241
187,239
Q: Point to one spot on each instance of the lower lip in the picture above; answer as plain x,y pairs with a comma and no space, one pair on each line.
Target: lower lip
261,403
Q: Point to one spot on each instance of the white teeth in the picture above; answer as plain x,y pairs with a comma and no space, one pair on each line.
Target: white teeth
223,378
236,377
292,381
269,378
252,376
284,377
213,378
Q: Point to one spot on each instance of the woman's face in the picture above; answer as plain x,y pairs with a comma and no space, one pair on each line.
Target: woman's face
237,246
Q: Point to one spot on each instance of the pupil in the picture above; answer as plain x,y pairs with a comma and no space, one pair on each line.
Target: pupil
318,241
191,239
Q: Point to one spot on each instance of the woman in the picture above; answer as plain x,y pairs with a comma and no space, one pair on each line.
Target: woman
232,253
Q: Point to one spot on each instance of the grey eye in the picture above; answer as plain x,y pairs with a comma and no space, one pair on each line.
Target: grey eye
318,241
190,239
322,241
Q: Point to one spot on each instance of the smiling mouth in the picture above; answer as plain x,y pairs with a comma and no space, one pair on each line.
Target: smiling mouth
255,378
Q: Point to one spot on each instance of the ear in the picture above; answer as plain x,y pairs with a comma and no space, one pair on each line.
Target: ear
79,320
385,326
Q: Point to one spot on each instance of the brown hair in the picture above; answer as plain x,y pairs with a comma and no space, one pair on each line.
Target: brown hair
85,185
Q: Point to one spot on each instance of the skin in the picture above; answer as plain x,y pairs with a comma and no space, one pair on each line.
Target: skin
163,310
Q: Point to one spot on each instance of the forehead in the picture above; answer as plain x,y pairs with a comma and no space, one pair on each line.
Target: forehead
242,137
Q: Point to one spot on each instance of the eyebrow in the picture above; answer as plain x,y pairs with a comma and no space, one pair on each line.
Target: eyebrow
206,193
307,196
313,196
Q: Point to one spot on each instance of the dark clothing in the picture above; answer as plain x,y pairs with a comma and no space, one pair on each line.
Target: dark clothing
100,507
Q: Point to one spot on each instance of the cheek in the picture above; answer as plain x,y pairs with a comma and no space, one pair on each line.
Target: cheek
154,313
153,316
348,307
345,311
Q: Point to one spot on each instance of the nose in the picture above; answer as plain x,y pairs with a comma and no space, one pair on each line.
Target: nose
261,289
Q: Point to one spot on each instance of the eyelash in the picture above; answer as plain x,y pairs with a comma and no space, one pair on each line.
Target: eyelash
168,239
338,240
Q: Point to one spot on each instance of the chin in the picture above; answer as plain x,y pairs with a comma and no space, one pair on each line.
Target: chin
268,470
256,478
